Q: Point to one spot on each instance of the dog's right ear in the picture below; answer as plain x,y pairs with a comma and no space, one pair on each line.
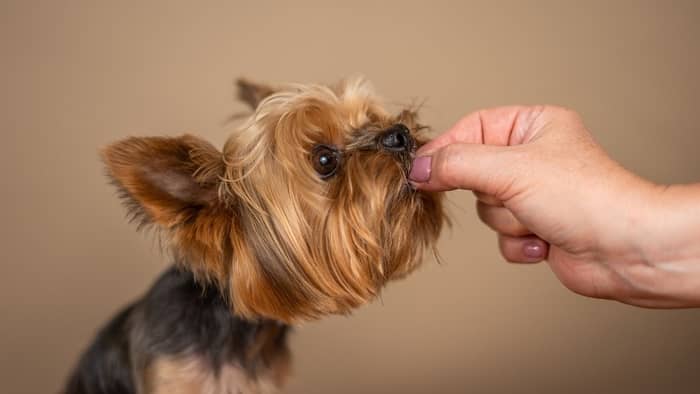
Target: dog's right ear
252,93
173,184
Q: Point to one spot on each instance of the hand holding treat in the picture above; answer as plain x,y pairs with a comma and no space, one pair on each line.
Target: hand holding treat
551,193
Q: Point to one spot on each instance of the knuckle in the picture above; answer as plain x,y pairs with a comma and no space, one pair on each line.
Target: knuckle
565,113
465,121
501,220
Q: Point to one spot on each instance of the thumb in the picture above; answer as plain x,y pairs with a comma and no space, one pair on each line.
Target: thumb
489,169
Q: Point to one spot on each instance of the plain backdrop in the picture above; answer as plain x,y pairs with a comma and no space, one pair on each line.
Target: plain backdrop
77,75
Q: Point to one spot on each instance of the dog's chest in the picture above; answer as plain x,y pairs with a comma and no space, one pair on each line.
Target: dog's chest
191,375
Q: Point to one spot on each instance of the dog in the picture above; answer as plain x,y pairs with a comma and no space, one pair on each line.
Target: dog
307,211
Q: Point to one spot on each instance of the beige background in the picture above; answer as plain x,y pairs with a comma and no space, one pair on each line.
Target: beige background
76,75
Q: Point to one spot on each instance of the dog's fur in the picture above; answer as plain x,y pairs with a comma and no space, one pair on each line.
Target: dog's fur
306,212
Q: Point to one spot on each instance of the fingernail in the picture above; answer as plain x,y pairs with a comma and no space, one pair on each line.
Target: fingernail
420,170
533,250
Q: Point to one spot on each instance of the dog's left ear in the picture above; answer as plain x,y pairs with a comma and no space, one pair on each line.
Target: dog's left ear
173,183
252,93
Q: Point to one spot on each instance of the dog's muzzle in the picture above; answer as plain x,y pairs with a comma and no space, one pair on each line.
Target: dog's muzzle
397,139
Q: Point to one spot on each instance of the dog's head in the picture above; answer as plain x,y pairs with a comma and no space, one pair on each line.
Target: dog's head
306,211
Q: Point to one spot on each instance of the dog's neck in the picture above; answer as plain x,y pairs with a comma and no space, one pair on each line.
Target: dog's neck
184,313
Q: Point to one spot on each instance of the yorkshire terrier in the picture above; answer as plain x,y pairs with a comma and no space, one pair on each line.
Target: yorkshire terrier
307,211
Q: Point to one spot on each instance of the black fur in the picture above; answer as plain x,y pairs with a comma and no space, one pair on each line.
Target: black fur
105,366
178,316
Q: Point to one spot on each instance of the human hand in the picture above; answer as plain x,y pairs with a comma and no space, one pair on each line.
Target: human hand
551,192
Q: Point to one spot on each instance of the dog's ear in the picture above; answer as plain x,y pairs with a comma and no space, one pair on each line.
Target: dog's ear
173,183
169,179
252,93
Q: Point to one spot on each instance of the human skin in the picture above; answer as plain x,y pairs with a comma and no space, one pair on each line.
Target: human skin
552,193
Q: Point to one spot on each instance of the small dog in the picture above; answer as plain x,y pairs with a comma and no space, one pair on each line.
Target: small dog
306,212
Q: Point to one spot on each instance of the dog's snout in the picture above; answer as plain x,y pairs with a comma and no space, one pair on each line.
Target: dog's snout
397,139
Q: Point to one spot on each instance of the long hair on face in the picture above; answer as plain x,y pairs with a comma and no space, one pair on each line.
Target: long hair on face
278,239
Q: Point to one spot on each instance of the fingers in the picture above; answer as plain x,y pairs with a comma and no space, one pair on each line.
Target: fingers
496,126
527,249
488,199
501,220
516,242
486,168
471,155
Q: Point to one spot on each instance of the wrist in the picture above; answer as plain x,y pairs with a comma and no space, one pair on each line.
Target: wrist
673,225
667,241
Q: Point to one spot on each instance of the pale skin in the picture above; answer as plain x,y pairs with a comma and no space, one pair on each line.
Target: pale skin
551,193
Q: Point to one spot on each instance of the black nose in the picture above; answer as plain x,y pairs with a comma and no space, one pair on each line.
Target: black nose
397,139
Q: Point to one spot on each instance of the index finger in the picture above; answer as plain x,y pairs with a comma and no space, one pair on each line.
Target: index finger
495,126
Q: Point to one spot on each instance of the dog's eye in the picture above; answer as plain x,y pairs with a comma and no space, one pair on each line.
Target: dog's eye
325,161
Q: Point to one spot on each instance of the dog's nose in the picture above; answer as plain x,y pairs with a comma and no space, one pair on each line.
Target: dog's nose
397,138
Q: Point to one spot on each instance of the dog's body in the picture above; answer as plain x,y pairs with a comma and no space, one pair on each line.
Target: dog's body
306,212
180,336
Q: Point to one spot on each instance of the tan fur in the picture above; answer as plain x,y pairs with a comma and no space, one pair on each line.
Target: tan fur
192,375
257,220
